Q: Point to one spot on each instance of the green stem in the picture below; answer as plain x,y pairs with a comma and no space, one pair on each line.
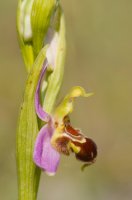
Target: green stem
28,173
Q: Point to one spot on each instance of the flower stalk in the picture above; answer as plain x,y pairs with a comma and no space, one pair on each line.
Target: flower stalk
35,20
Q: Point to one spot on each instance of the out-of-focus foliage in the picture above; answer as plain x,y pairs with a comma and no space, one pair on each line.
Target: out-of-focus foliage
99,46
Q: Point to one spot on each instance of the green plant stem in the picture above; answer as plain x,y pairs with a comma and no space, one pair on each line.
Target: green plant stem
28,172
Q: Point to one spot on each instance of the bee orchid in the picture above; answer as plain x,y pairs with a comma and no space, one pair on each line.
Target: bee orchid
58,136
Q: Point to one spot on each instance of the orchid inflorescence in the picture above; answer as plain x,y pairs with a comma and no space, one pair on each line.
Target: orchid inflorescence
45,131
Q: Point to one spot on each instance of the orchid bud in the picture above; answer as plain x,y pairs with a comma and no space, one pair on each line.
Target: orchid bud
41,13
33,21
24,30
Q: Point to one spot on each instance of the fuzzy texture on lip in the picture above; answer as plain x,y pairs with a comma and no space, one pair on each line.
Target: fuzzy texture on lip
88,151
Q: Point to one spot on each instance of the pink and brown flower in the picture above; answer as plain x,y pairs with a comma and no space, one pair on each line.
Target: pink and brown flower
58,136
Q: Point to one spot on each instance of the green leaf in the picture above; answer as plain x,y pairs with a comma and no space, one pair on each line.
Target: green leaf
56,77
28,173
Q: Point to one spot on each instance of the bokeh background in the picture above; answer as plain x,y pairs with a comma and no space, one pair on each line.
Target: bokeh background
99,57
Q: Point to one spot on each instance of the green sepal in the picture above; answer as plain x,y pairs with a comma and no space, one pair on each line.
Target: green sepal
66,106
55,79
28,172
42,11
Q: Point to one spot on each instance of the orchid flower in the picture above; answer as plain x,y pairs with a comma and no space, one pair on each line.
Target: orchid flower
57,135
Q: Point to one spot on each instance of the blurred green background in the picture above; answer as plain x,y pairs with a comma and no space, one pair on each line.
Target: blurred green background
99,57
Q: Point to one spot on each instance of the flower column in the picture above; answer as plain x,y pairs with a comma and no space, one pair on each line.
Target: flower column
41,34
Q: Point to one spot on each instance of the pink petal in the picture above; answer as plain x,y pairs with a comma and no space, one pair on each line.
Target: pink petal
52,40
45,156
39,110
